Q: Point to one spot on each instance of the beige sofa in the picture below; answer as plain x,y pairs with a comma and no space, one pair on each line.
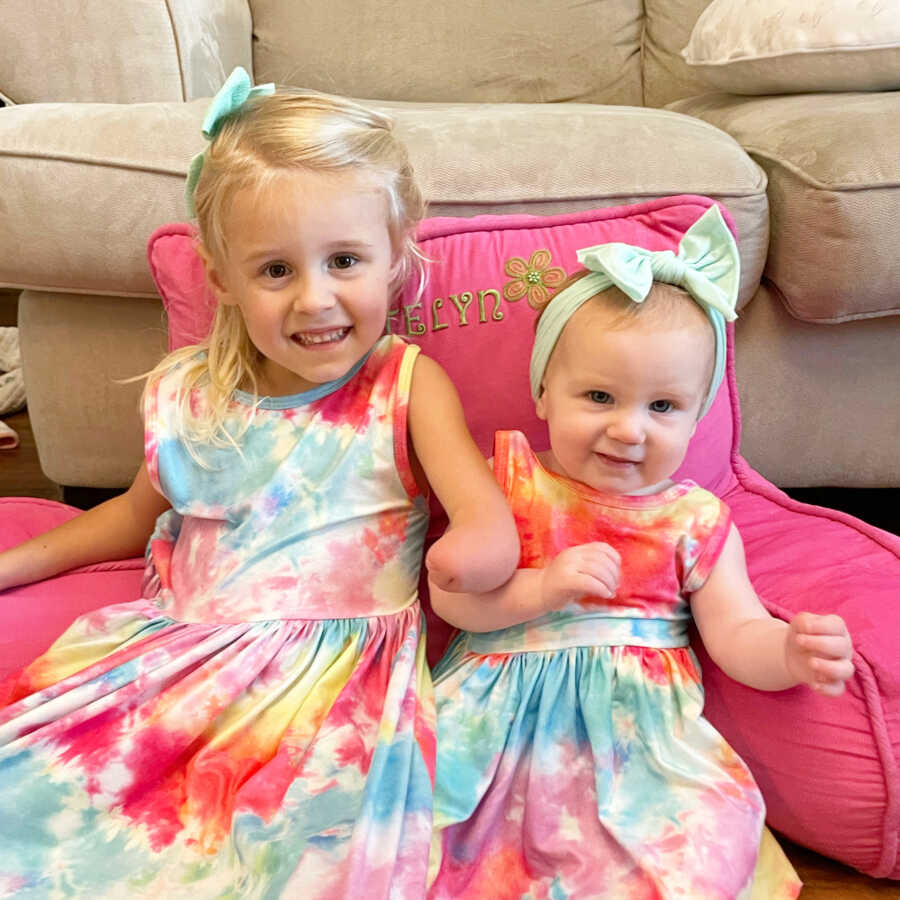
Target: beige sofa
104,103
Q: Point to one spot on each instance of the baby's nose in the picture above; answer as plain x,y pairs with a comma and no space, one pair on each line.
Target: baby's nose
627,427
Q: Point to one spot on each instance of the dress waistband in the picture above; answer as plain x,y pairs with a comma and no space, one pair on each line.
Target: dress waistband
582,631
224,608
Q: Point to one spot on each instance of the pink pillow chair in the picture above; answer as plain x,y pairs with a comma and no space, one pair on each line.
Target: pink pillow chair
828,767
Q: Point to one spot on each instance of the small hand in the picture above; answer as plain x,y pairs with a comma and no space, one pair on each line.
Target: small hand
591,570
818,650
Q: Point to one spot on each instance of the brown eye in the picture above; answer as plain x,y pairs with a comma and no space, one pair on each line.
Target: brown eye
276,270
343,261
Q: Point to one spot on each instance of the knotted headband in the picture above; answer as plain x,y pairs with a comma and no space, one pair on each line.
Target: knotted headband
230,98
706,265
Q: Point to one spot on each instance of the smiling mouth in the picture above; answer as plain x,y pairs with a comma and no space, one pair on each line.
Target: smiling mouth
316,338
617,461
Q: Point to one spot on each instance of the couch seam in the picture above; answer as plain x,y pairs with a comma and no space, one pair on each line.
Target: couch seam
891,819
177,44
832,320
80,292
643,52
109,164
791,54
814,182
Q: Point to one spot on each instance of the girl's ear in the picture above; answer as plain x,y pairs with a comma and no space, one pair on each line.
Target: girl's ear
214,277
540,407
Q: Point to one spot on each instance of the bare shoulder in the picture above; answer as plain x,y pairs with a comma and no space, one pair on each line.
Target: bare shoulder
433,398
429,373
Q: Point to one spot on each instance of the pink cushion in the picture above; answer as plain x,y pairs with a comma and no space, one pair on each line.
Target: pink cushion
827,767
178,273
32,616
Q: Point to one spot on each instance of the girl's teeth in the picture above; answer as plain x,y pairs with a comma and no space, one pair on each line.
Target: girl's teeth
322,337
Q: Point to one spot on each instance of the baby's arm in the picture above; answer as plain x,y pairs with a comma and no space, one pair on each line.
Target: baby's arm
480,549
758,650
585,570
116,529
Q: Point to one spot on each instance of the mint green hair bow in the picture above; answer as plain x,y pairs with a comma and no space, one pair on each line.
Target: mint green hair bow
707,266
230,98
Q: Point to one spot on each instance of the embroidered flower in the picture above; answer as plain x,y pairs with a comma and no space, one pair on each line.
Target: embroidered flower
533,279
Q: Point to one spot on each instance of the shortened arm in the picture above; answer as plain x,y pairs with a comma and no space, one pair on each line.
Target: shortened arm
480,549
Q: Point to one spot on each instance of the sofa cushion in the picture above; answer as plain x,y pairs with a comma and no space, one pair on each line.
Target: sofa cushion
32,616
829,768
123,169
818,402
834,191
181,281
532,51
130,51
82,354
667,28
772,47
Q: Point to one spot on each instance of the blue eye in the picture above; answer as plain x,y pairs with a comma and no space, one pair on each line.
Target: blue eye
276,270
661,406
343,260
599,397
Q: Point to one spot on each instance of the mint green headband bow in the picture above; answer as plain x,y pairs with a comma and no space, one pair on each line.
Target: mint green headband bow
230,98
706,265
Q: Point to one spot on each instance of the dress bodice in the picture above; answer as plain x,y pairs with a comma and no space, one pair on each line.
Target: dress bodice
314,513
668,543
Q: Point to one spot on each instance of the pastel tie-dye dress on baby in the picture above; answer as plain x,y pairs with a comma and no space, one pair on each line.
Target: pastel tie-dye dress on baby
573,757
260,723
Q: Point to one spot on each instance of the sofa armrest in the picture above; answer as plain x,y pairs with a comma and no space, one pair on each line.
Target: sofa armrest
130,51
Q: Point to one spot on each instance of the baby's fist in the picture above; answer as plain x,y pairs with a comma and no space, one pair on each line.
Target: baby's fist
591,570
818,651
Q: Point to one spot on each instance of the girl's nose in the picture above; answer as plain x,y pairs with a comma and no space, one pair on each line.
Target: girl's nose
312,295
627,427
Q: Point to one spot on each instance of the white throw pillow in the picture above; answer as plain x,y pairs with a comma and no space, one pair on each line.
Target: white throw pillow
778,47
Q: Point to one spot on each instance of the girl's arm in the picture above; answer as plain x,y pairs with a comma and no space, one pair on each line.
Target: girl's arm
758,650
480,549
116,529
585,570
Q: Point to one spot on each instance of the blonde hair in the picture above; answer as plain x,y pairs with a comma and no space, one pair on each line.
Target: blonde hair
267,137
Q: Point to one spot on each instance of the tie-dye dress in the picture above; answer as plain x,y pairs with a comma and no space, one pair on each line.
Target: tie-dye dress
261,722
573,758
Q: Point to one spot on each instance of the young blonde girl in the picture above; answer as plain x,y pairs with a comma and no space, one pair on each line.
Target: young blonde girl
260,722
573,757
